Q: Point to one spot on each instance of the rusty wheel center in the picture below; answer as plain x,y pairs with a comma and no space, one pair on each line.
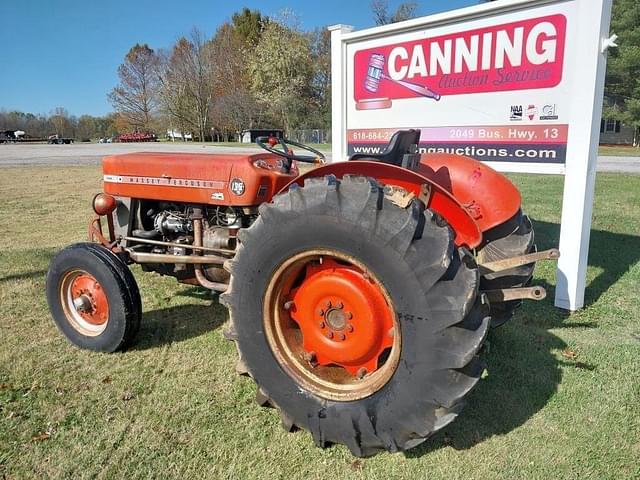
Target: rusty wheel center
84,302
331,323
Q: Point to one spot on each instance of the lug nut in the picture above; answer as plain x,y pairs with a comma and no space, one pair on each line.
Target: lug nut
321,324
329,304
329,335
339,305
349,315
361,372
341,336
349,328
321,312
289,305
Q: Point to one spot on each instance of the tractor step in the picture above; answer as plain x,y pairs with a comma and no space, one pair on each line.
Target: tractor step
508,294
507,263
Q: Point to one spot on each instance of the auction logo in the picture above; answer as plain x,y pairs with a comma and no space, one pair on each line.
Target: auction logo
549,112
532,111
516,113
522,55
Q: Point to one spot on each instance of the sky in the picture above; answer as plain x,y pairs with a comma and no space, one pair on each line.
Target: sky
65,53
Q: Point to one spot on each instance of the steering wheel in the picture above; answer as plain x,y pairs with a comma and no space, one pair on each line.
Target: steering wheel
269,144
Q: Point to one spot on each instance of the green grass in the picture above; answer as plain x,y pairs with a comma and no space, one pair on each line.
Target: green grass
620,151
562,398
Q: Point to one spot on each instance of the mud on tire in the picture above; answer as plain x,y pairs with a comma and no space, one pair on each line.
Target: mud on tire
432,285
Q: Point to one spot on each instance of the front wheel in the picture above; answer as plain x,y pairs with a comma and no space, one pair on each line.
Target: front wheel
358,319
93,298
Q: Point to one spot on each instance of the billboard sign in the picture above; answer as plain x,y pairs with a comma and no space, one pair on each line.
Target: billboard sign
516,84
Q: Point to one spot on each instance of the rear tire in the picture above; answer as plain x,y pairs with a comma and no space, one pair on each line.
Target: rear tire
433,286
93,298
512,238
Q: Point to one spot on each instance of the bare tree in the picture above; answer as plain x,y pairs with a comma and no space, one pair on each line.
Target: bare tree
381,15
235,106
60,120
186,79
136,97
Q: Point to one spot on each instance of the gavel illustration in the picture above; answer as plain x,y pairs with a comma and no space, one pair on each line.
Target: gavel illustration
375,73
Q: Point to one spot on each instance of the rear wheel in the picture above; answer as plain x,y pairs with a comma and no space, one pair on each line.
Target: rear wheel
513,238
93,298
359,320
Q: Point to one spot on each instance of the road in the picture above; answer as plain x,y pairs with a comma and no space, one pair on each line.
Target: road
92,153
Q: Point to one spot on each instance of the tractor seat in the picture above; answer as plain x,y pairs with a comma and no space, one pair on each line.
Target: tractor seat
402,142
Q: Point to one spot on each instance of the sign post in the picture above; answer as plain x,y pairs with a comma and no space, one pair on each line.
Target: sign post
580,177
517,85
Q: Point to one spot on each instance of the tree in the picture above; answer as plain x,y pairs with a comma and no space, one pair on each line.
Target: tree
381,15
187,83
60,120
320,98
622,84
235,107
280,71
249,25
136,96
86,127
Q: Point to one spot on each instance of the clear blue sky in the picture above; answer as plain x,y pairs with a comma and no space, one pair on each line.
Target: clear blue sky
66,52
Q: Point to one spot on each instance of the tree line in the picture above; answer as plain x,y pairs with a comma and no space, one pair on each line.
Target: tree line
266,72
254,71
85,127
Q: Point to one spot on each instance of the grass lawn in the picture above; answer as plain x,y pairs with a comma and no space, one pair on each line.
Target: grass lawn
619,151
562,398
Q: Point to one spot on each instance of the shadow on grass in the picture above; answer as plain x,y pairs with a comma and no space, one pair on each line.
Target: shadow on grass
613,253
179,323
523,375
23,275
524,370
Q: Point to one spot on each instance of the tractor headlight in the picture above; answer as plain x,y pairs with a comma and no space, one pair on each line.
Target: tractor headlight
104,204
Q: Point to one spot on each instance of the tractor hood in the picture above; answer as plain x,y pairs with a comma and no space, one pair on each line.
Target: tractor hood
217,179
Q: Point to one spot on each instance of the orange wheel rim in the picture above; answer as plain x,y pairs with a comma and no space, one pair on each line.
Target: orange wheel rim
331,324
84,302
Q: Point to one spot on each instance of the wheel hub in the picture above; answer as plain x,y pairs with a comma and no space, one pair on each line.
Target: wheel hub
84,302
343,316
336,319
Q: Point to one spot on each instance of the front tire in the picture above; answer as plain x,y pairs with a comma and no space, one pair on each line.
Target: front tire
412,386
93,298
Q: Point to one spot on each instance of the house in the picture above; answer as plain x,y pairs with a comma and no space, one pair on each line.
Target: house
614,132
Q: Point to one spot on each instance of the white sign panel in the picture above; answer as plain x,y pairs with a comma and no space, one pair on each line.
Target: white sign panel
516,84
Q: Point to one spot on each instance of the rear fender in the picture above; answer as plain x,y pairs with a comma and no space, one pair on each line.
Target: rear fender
489,197
467,232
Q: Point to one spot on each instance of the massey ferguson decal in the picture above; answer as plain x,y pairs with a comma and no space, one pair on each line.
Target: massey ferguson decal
164,181
521,55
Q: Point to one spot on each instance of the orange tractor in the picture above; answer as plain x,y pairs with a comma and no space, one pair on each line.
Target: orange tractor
360,293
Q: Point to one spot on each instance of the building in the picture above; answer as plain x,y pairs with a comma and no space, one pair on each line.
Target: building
614,132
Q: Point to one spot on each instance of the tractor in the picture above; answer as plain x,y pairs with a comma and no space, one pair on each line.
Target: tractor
360,292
